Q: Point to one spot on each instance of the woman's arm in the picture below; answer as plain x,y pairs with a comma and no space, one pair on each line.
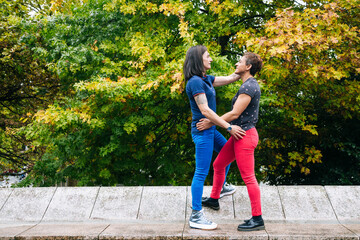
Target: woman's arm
240,105
224,80
202,103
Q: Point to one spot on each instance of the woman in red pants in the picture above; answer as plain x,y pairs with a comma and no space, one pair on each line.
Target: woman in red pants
244,113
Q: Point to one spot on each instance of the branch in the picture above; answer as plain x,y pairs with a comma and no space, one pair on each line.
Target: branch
176,36
18,159
203,10
14,159
2,99
38,8
300,4
247,18
8,108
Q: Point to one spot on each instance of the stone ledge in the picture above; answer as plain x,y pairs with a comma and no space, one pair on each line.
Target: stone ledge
176,231
290,212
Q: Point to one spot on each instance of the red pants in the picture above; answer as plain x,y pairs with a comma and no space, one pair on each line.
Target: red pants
243,151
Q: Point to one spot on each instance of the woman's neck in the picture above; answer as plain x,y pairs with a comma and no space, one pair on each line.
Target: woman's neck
246,76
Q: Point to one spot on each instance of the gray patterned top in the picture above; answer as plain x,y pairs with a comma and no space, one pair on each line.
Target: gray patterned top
249,117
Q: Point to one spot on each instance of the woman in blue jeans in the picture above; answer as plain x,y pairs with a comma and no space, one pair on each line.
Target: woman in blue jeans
202,96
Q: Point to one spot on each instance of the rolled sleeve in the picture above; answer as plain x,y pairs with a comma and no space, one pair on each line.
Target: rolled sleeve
196,87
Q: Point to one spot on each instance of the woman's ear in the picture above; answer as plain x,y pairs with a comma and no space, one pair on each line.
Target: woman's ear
248,67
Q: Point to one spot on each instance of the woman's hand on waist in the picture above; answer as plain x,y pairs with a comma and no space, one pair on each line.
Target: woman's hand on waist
204,124
237,132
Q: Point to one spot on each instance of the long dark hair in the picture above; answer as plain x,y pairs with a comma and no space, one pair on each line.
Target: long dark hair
193,64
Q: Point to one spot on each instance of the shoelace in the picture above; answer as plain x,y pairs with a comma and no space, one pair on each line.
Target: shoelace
205,219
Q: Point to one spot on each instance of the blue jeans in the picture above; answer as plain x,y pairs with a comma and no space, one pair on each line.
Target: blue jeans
205,143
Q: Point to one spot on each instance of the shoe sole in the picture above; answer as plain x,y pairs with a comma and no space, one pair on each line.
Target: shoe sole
202,227
227,193
252,229
214,208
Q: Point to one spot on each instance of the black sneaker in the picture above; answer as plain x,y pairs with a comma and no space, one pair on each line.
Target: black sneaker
252,225
211,203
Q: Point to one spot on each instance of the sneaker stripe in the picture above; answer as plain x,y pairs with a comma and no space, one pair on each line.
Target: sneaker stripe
227,193
203,226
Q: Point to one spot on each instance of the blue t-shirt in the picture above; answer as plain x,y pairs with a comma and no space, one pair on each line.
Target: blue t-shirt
250,116
195,86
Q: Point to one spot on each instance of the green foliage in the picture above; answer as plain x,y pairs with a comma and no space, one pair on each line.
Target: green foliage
126,117
26,86
311,115
122,116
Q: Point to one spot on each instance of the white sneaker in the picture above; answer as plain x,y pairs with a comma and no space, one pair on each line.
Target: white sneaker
227,189
198,220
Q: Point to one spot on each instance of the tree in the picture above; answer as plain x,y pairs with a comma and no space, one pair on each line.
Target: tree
129,114
116,128
127,118
26,86
311,83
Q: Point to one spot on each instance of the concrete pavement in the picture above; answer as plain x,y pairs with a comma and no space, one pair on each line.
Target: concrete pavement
290,212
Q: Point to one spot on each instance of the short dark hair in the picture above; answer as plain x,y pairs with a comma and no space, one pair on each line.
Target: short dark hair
193,64
255,61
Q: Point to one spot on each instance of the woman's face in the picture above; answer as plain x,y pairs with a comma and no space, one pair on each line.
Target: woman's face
207,60
241,66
